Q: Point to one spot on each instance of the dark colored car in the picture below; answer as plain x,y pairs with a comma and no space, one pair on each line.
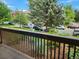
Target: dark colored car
37,28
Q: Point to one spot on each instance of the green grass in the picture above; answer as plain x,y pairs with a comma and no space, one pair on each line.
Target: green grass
51,31
14,27
7,26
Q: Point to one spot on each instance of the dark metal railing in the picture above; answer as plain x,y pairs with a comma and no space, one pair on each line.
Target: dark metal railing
41,46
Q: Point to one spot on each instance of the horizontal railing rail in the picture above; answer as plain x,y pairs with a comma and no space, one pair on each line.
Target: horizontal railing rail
66,39
41,45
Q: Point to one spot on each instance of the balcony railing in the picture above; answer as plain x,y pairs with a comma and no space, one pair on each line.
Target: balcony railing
40,46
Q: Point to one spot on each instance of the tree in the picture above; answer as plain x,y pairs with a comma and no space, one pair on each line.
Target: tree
21,18
46,12
5,13
69,14
76,16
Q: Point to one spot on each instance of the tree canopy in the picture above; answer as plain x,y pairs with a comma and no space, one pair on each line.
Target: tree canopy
21,18
5,12
69,14
76,15
46,12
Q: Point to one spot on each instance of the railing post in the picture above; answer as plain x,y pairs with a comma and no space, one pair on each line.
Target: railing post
0,37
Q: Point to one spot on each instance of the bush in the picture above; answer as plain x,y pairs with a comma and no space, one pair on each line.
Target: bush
72,53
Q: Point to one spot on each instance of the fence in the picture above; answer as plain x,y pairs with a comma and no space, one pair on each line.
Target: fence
41,46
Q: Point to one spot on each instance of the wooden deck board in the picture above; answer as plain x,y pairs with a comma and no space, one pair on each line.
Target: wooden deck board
9,54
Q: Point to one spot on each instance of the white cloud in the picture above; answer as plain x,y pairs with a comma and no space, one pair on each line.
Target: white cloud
10,6
23,10
4,1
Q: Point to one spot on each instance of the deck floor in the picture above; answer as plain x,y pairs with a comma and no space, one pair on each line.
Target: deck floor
9,54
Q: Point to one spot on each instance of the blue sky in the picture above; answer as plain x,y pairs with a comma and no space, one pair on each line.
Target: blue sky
74,3
17,4
23,4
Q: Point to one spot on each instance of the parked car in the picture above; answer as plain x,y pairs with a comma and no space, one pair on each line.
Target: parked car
60,27
76,32
30,25
8,22
37,28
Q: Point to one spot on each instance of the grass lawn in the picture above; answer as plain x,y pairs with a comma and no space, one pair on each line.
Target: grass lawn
54,31
14,27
